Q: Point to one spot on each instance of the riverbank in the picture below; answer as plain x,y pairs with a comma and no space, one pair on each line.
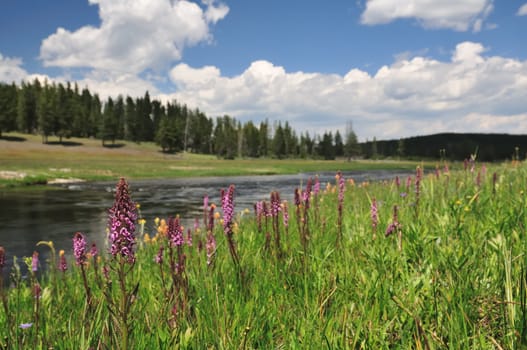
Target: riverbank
25,160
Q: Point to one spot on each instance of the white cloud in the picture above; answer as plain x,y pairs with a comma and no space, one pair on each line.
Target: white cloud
449,14
522,11
419,95
11,70
134,35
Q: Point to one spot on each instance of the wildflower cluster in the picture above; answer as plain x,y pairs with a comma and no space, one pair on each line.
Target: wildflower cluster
122,223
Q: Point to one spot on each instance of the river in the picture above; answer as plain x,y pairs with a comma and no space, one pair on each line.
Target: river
57,212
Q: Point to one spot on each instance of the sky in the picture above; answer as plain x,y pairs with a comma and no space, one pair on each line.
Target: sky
389,68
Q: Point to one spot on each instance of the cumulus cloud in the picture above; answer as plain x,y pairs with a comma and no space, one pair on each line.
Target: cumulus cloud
413,95
450,14
522,11
134,35
11,70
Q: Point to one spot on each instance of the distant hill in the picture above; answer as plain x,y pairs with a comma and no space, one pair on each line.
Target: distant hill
456,146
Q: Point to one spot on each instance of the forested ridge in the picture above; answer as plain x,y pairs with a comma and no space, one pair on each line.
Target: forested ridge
63,110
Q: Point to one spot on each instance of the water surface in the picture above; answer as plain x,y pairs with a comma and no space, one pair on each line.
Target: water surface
57,212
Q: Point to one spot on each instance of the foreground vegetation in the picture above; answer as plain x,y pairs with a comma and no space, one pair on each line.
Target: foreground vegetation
85,159
431,261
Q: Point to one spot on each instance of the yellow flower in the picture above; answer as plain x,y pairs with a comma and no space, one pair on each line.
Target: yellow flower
146,238
61,252
141,221
156,221
216,215
467,208
138,206
458,202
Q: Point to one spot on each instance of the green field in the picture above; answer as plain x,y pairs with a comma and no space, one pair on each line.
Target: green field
452,275
86,159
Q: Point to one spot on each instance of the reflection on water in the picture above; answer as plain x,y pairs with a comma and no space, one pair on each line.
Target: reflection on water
56,213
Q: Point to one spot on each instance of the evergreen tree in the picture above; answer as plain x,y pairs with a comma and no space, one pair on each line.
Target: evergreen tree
351,146
63,117
279,143
339,145
118,112
225,137
400,148
110,124
166,135
96,117
326,148
82,123
251,140
8,107
263,139
131,125
27,119
47,111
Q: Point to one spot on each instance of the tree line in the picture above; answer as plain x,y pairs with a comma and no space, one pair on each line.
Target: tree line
452,146
63,111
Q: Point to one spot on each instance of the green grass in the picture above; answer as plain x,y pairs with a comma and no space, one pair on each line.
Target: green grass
88,160
458,281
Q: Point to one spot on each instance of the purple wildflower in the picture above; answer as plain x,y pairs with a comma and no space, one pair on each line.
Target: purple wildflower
175,233
189,238
122,223
94,251
2,258
394,225
227,204
259,208
275,203
297,197
37,291
159,257
285,214
205,202
79,248
374,214
341,188
63,265
211,248
408,183
316,187
34,262
25,325
306,195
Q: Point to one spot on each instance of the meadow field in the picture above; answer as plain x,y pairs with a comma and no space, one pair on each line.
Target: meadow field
432,261
25,160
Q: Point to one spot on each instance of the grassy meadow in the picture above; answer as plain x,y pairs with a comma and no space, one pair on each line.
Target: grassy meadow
24,160
433,261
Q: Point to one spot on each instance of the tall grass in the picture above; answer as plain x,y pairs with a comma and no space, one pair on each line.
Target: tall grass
440,264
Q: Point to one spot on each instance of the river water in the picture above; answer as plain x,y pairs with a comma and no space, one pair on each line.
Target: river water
57,212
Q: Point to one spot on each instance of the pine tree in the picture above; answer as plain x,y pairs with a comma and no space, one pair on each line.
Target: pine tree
47,111
8,107
351,146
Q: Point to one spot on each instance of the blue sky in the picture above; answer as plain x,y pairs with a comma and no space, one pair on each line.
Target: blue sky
393,68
